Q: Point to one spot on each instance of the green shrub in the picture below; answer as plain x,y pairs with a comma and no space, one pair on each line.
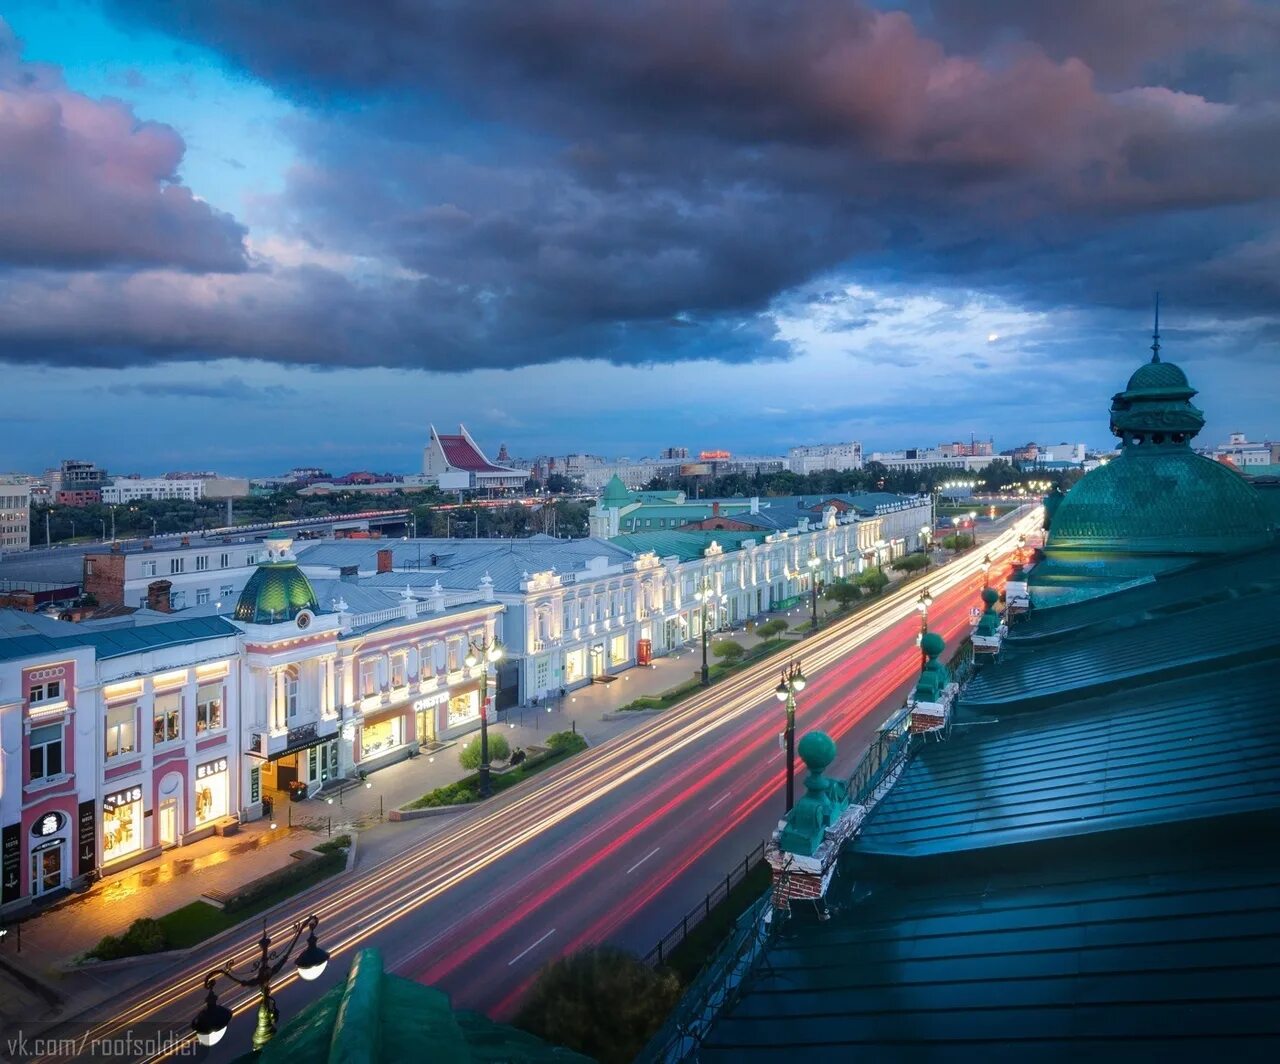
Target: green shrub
144,935
910,563
958,541
727,650
337,844
499,750
771,628
873,580
842,593
569,742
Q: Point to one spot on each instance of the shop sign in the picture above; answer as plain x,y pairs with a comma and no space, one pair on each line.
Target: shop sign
125,797
301,734
12,862
430,700
211,768
49,824
87,837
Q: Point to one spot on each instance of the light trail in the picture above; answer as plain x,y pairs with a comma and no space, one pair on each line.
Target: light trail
373,900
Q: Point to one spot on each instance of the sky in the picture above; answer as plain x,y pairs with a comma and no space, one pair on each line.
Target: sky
242,236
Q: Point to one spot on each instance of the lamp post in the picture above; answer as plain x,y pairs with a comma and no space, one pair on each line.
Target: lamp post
486,651
704,595
813,564
926,540
880,546
792,683
986,570
1022,546
212,1021
922,604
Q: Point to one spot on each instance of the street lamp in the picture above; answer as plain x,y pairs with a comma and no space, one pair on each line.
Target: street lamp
212,1021
922,604
813,563
926,540
880,546
792,683
986,570
488,652
704,595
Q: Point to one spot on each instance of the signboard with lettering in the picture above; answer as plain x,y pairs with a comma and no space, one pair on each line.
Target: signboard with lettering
87,835
49,824
11,867
430,700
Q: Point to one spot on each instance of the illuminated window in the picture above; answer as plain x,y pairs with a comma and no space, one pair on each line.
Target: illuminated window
46,751
167,717
49,691
291,690
122,730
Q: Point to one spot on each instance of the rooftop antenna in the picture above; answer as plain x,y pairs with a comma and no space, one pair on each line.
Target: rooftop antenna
1155,335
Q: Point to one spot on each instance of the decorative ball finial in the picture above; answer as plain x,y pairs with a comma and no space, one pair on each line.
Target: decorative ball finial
932,644
817,750
990,596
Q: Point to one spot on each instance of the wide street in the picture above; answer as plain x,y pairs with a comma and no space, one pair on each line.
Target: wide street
613,845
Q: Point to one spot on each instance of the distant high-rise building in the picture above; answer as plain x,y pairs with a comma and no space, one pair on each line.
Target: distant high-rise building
824,456
680,453
15,516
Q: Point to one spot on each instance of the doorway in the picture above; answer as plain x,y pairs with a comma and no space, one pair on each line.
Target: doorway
597,660
169,822
46,868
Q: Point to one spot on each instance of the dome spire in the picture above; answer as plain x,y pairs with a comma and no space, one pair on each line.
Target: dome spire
1155,334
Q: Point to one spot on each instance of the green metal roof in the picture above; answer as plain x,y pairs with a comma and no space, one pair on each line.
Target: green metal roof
276,592
686,546
375,1017
117,642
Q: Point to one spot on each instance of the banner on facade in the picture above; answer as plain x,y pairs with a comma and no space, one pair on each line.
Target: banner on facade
11,873
87,836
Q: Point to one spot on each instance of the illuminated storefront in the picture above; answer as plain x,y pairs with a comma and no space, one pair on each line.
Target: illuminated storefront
618,652
575,665
382,737
212,787
463,709
122,824
427,713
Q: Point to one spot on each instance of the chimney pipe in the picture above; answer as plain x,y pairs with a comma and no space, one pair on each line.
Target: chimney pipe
384,560
158,596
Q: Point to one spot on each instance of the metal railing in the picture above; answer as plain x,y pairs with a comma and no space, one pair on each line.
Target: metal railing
887,750
702,910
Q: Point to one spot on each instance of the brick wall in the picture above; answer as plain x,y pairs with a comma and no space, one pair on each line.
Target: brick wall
104,579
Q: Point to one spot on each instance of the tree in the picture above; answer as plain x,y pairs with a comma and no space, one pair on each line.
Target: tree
727,650
842,593
601,1001
499,750
873,581
771,628
957,541
909,563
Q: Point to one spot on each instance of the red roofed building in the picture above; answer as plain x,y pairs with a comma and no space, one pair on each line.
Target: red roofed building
456,462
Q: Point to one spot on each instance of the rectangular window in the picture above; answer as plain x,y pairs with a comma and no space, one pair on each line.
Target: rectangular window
177,600
148,568
399,669
50,691
251,559
455,655
202,562
177,565
202,596
368,679
46,752
122,731
291,692
544,674
167,717
224,561
208,708
226,591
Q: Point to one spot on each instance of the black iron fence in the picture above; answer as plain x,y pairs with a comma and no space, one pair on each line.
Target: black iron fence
702,910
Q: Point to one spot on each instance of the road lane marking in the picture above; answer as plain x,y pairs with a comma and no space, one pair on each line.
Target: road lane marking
645,858
531,948
720,799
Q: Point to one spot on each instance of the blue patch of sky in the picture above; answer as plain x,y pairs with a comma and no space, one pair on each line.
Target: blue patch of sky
237,150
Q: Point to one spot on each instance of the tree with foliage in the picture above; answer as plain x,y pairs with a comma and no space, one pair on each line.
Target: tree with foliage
770,629
727,650
843,593
910,563
566,740
499,750
958,541
600,1001
873,581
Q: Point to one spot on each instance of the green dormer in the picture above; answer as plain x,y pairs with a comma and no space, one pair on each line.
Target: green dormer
278,590
821,804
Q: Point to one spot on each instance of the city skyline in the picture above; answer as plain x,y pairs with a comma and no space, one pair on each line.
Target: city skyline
897,224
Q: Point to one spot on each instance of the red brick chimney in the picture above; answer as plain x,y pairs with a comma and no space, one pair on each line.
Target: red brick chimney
186,541
158,596
384,560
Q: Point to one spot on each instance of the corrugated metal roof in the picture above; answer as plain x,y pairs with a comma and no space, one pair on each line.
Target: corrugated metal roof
1174,751
1187,642
116,642
686,546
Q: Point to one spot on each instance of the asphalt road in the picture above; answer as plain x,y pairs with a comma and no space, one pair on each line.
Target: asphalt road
614,845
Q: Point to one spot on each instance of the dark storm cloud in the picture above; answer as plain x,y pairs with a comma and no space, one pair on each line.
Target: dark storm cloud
640,181
84,184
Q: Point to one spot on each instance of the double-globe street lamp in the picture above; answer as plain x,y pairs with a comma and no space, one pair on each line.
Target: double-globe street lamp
986,570
922,604
212,1021
792,683
705,595
489,652
813,563
926,541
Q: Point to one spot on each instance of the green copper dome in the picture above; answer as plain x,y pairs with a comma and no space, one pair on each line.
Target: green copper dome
1161,501
1159,377
278,590
615,492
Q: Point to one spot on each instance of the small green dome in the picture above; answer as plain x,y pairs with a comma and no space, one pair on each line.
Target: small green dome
1160,378
278,590
817,750
932,644
615,492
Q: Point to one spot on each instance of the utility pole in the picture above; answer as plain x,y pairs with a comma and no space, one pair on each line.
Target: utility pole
46,530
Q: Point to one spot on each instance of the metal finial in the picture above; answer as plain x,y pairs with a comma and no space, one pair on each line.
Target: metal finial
1155,335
